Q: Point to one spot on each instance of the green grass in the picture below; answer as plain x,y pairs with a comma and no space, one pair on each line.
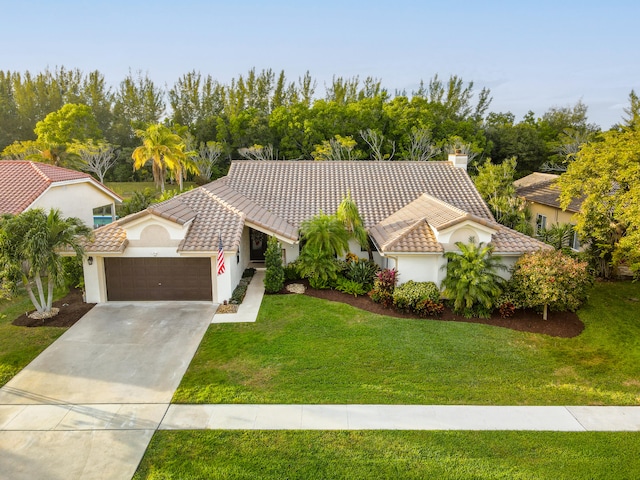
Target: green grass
262,455
20,345
127,189
306,350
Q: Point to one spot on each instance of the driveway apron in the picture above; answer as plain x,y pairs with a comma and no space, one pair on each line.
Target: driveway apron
89,404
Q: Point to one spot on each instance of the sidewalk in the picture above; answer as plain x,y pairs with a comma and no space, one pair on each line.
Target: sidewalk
400,417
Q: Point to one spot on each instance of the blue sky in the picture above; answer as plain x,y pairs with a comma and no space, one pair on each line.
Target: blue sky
532,55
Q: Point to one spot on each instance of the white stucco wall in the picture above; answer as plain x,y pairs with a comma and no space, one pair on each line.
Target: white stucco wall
94,280
420,268
74,200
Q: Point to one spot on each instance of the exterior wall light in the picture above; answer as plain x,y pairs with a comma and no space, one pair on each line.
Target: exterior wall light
90,260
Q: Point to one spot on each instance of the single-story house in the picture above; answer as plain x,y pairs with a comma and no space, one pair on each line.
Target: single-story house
414,213
542,195
26,185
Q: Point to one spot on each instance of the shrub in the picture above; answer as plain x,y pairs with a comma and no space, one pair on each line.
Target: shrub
291,272
552,280
508,302
350,286
472,284
274,276
248,273
238,293
407,295
363,272
318,267
73,272
383,286
429,308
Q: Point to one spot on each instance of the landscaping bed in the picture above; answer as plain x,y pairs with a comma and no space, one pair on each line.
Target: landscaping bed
559,324
72,308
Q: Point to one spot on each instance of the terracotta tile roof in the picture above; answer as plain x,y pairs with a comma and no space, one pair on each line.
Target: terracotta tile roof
22,182
111,238
506,240
544,191
400,202
297,190
533,178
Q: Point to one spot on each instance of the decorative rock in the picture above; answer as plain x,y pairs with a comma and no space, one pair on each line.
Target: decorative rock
44,315
296,288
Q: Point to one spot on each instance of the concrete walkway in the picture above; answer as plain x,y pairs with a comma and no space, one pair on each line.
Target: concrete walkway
248,309
400,417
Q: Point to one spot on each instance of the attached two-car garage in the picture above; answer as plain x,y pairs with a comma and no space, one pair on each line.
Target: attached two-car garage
151,278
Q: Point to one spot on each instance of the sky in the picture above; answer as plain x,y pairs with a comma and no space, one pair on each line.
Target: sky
531,55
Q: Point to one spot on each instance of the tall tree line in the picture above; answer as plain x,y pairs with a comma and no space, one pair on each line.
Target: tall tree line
264,114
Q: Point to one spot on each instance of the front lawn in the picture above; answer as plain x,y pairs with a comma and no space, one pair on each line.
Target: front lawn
306,350
20,345
265,455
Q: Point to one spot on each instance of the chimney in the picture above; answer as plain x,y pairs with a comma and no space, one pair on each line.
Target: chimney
459,159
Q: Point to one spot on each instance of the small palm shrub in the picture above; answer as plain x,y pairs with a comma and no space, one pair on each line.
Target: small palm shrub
350,286
274,276
472,283
318,267
407,295
383,287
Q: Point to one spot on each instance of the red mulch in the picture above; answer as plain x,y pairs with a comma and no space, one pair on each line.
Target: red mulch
72,309
559,324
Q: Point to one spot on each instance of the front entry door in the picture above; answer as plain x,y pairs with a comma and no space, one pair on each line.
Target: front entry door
258,245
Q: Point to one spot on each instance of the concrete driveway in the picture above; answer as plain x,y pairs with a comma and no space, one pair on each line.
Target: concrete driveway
89,404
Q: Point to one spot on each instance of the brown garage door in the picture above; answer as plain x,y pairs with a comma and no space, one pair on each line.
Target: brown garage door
158,278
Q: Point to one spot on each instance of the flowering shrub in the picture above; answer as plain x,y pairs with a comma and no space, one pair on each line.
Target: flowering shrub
383,286
551,279
407,295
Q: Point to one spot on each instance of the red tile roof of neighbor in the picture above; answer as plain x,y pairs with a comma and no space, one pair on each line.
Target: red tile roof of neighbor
22,182
399,202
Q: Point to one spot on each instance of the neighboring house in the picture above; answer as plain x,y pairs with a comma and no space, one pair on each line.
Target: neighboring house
543,198
414,212
26,185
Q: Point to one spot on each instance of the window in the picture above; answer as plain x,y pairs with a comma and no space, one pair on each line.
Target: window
541,223
575,241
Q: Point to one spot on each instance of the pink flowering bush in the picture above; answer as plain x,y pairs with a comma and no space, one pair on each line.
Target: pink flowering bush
551,279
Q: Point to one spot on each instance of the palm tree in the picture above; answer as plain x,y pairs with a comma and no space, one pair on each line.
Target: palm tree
472,282
350,217
326,234
30,245
166,150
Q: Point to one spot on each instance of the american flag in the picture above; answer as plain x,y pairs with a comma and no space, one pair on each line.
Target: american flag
220,263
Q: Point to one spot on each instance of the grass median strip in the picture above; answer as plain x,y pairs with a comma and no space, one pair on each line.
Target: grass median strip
306,350
389,455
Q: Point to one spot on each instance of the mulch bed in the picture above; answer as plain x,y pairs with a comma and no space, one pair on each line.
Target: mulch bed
72,309
559,324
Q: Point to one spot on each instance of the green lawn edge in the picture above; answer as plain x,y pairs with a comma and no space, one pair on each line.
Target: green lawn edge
216,454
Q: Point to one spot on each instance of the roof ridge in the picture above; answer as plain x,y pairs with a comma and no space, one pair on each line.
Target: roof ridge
39,171
405,231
